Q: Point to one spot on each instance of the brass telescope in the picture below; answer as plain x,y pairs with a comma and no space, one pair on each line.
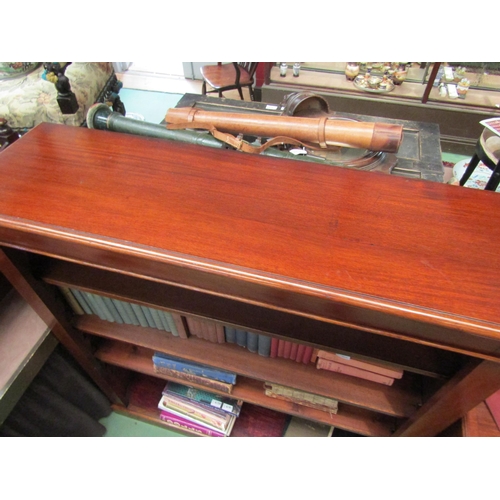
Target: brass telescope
323,132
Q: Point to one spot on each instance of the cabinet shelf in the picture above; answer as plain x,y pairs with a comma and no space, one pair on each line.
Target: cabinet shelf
249,390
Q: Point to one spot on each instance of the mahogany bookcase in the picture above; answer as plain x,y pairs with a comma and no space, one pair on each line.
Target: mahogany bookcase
381,267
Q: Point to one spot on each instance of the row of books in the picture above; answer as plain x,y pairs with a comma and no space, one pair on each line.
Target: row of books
375,372
122,312
198,411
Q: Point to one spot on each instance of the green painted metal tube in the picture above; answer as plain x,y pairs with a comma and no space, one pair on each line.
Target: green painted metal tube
101,117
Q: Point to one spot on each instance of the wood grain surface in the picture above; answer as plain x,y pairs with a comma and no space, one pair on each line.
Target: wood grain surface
351,242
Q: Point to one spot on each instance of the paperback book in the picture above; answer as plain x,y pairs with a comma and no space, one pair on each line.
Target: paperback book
190,410
209,399
189,425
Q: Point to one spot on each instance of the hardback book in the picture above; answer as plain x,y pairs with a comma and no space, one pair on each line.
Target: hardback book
333,366
213,401
166,361
241,337
301,427
195,327
281,348
221,338
130,313
120,307
264,345
183,423
191,410
195,379
230,334
293,351
306,357
364,365
287,349
148,316
138,314
252,341
71,300
81,300
179,324
274,347
113,310
304,398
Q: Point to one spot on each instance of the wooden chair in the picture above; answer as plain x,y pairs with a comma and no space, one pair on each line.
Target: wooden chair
229,76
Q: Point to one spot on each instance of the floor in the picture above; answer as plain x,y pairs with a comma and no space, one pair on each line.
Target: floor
167,77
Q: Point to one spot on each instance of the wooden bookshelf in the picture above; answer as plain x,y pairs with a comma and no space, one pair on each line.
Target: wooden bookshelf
250,390
348,261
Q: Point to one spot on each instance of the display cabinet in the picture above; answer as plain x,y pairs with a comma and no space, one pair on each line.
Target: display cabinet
427,91
360,263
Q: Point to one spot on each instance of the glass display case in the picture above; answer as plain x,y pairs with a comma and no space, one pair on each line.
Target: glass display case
463,83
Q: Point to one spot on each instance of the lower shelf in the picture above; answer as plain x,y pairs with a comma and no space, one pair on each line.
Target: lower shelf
143,401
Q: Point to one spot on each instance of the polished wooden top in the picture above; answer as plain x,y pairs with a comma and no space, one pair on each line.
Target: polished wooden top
354,241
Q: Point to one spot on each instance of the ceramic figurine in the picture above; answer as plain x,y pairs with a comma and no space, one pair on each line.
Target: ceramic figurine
351,70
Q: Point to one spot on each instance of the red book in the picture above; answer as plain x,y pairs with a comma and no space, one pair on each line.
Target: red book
274,347
493,404
293,352
333,366
308,351
300,353
381,369
281,348
287,349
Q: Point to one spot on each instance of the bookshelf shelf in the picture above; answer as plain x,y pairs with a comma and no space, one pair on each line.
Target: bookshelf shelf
399,400
250,390
327,257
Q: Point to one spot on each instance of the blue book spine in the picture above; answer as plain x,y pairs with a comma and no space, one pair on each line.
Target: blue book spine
113,310
149,317
131,314
123,313
139,314
264,345
94,305
172,327
185,366
156,319
81,300
252,341
241,338
230,334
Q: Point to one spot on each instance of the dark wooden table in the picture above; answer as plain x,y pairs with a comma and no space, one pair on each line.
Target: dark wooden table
419,155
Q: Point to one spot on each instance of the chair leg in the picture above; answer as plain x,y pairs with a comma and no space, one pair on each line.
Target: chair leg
494,179
204,88
470,168
240,91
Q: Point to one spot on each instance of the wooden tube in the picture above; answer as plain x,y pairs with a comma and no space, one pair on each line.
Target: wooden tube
323,131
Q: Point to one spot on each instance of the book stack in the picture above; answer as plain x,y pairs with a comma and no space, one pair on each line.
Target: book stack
119,311
196,373
291,350
303,398
199,411
253,342
206,329
375,372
